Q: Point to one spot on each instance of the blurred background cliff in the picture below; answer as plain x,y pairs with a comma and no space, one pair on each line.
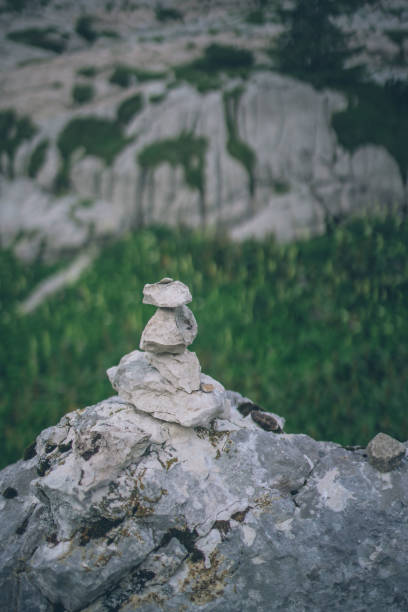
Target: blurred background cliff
255,150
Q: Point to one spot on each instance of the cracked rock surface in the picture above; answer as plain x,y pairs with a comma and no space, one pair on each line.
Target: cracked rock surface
119,510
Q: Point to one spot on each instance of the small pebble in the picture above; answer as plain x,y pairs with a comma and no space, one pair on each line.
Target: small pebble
207,388
385,453
266,421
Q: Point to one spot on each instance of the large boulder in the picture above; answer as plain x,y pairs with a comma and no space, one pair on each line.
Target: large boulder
119,510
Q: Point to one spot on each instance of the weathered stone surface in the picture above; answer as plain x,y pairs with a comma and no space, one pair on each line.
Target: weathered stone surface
220,520
169,330
385,453
187,324
141,384
167,293
181,370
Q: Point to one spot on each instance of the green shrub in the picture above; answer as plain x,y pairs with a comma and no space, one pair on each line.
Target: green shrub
281,186
321,59
224,57
376,115
14,131
99,137
203,73
87,71
102,138
256,17
314,330
185,150
129,108
82,93
202,81
84,27
108,33
37,158
45,38
16,5
124,76
148,75
168,14
157,98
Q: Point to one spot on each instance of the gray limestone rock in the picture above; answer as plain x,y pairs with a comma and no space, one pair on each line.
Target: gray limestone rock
206,520
167,293
181,370
170,330
385,453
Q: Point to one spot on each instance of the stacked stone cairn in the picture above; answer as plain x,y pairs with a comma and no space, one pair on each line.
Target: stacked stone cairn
164,378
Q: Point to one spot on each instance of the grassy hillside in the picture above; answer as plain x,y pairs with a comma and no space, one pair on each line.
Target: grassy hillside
316,331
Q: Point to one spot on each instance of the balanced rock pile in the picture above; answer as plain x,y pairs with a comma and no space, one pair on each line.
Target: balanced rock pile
166,380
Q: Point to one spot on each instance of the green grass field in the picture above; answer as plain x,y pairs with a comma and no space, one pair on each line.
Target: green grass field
315,330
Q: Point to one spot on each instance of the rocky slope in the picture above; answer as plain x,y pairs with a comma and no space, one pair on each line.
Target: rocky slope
202,505
251,155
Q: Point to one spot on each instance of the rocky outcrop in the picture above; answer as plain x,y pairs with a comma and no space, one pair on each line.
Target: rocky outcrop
301,176
120,508
254,156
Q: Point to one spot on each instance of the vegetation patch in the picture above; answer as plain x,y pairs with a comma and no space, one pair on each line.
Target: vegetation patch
157,98
37,158
319,59
236,147
14,130
45,38
125,76
87,71
85,27
204,72
129,108
82,93
281,186
164,13
185,150
376,115
16,5
96,136
256,17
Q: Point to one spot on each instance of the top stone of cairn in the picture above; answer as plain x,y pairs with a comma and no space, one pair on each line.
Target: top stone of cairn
167,293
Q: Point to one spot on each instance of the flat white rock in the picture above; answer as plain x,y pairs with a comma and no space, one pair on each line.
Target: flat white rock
167,293
169,330
181,370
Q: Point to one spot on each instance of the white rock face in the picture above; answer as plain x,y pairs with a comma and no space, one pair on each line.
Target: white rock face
301,172
169,331
167,293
